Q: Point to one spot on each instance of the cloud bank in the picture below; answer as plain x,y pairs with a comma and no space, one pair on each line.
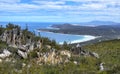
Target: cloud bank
66,9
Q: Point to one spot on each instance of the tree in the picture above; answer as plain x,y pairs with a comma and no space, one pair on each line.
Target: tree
65,45
11,26
1,30
26,27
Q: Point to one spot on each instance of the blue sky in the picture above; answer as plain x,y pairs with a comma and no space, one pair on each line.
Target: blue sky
59,10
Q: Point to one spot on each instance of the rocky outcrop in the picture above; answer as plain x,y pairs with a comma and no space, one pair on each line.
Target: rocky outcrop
79,51
11,37
25,44
101,67
14,39
22,54
39,44
54,57
94,54
5,54
66,53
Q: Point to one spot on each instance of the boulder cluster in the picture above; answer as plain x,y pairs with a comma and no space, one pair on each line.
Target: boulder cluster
77,50
15,38
54,57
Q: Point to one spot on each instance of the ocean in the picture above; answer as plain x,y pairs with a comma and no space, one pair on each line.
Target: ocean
59,38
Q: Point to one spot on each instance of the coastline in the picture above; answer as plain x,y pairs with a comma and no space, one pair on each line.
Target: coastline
85,39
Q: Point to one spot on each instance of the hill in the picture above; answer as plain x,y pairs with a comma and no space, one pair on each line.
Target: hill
105,32
109,52
21,52
97,23
102,30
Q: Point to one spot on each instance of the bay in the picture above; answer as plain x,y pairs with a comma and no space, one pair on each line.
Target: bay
59,38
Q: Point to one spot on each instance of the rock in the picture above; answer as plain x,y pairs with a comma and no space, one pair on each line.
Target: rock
9,35
65,52
83,53
22,54
4,36
23,47
58,60
28,41
14,37
49,58
66,60
0,60
75,62
31,47
39,44
101,67
48,46
5,53
94,54
78,45
77,50
23,64
28,65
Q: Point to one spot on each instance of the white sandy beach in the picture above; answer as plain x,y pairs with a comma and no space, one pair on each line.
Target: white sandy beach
86,38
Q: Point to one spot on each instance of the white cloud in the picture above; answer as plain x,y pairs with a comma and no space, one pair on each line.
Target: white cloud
9,1
48,2
58,5
62,7
17,7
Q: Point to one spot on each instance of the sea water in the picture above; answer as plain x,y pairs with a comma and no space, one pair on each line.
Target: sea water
59,38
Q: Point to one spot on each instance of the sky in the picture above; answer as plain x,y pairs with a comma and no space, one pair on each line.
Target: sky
59,10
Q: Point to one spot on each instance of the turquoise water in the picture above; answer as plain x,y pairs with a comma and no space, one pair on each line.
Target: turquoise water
60,38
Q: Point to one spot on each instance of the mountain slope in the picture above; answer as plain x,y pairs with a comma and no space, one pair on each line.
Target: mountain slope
103,30
109,52
97,23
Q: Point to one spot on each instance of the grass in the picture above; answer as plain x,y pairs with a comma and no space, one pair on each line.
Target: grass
109,52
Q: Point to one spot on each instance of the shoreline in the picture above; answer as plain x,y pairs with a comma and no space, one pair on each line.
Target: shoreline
85,39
